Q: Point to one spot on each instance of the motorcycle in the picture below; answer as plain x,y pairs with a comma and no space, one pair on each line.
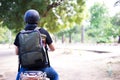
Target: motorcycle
33,75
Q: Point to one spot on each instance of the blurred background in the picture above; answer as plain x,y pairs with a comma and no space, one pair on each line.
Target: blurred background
86,34
74,21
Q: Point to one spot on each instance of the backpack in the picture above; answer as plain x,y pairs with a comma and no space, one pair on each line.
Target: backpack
31,51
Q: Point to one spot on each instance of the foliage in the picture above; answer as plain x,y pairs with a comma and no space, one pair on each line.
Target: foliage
100,25
52,12
72,34
6,35
116,24
98,13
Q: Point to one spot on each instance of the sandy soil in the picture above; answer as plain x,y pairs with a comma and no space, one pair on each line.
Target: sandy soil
72,64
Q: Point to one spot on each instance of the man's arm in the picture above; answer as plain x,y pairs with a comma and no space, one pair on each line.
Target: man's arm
51,46
16,50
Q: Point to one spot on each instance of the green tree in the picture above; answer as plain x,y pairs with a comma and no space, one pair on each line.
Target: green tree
100,27
116,20
51,11
5,35
70,33
116,25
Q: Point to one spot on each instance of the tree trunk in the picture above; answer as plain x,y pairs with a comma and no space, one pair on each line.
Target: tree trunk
119,40
70,37
63,39
82,34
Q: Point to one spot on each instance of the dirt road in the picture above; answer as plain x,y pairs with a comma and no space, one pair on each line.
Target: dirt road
73,64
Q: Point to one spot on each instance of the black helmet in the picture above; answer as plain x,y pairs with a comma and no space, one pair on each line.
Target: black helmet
31,16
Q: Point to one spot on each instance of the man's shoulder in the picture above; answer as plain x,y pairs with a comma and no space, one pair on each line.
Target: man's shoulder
42,30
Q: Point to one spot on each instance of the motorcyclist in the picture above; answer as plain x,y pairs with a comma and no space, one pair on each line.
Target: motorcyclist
31,18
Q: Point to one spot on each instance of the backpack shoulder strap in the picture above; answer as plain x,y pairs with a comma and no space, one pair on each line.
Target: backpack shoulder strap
22,31
46,52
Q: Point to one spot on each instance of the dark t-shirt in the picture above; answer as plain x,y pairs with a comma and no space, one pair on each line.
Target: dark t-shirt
42,31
